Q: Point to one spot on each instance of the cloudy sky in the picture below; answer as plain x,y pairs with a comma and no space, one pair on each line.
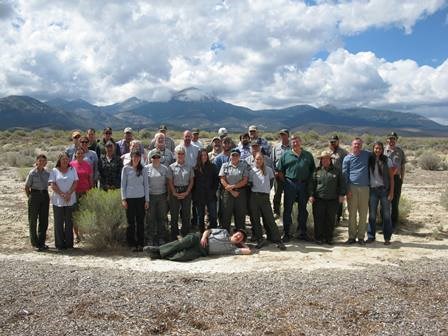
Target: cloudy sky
256,53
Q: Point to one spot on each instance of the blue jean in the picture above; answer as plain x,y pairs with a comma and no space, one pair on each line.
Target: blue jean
295,191
379,195
212,217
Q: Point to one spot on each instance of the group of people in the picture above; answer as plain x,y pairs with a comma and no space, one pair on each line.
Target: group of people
219,182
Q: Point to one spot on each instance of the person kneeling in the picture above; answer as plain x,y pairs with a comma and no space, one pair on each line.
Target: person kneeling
193,246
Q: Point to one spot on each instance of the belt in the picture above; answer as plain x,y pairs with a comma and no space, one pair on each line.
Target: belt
45,191
259,193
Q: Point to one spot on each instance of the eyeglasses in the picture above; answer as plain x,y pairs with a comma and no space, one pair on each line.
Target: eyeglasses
108,133
86,142
76,137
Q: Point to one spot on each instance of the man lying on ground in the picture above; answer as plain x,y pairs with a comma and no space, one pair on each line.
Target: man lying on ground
193,246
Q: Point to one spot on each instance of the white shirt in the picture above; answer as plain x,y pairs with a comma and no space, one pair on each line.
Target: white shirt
64,183
261,183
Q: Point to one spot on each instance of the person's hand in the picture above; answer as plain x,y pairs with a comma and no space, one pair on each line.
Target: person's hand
124,203
349,194
67,197
229,187
235,193
204,242
390,197
341,199
311,199
146,205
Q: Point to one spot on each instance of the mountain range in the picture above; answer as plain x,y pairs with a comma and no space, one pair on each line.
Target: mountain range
194,108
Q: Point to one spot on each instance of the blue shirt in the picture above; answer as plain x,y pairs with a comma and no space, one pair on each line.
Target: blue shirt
356,169
220,159
133,186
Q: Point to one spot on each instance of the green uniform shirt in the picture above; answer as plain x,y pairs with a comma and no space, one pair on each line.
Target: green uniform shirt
296,167
327,184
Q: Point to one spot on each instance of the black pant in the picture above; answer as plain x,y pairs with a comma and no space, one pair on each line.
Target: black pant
182,206
63,226
324,213
278,187
135,214
398,182
38,206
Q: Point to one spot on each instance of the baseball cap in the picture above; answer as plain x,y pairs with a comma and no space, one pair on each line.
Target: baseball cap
109,143
195,131
163,128
334,138
222,131
252,128
216,138
284,131
155,153
127,130
235,151
254,143
392,135
76,134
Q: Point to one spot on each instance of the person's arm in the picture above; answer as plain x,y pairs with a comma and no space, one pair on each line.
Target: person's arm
204,239
346,173
390,196
245,250
146,186
124,182
28,185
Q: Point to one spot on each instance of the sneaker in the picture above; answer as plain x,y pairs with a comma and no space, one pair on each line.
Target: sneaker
361,242
153,252
304,238
276,215
318,242
329,242
370,240
350,241
387,242
281,246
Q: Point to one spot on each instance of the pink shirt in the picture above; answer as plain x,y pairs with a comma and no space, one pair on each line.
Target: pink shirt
85,173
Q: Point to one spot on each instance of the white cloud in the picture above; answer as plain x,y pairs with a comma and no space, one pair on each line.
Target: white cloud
255,53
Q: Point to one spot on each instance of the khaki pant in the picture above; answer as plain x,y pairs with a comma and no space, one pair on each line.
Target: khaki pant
358,205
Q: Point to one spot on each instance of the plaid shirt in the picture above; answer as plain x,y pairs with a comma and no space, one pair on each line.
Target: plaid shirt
110,172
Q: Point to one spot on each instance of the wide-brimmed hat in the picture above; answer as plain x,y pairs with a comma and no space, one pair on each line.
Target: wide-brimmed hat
324,154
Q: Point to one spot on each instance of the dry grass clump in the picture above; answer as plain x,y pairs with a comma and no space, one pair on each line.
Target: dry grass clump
404,209
430,161
444,199
101,219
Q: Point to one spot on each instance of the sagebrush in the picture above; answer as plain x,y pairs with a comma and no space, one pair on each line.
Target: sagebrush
430,161
101,219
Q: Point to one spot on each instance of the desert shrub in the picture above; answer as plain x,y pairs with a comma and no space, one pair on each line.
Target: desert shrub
19,159
404,209
101,219
22,173
429,161
444,199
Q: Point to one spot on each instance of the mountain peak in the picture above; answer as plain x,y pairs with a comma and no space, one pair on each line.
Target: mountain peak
193,94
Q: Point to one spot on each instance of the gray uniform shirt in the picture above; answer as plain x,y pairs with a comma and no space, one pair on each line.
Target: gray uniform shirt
180,174
278,151
338,156
376,180
219,243
37,179
157,178
261,183
234,174
397,156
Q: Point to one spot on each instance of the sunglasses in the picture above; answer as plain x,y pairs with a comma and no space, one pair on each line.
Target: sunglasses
108,133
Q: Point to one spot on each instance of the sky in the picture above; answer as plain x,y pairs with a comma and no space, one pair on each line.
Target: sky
260,54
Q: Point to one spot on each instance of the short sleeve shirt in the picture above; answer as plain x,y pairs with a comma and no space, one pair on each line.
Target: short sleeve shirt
64,181
234,174
261,183
157,177
219,243
397,156
180,174
37,179
85,172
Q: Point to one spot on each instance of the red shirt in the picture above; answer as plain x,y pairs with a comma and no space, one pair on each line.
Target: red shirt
85,173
